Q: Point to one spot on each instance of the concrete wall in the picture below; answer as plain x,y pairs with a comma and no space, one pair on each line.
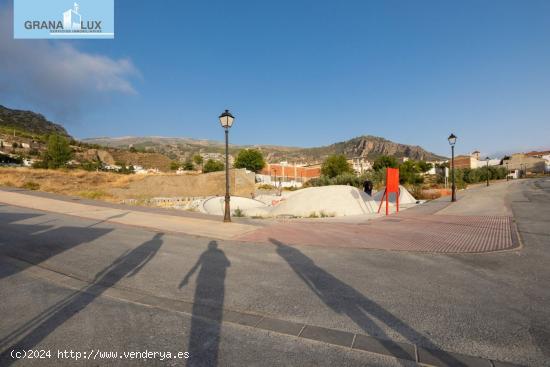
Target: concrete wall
242,183
521,161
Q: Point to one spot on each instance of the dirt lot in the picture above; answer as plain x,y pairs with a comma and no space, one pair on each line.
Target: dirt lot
93,185
117,187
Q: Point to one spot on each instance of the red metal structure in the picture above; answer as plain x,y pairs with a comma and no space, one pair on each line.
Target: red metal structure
392,185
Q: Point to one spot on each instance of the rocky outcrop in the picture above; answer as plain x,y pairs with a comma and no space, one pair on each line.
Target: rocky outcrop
29,122
366,146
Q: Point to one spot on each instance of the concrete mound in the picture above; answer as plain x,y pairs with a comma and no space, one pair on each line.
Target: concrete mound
337,200
333,201
405,196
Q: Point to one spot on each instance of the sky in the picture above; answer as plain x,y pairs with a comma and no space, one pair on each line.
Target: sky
298,73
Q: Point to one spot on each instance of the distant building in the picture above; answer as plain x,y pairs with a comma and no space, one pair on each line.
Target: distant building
526,163
542,155
360,164
473,161
288,175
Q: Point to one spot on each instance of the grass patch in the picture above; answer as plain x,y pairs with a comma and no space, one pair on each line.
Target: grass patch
31,185
238,213
94,194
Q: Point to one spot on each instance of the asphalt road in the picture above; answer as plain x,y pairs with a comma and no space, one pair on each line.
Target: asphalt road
59,278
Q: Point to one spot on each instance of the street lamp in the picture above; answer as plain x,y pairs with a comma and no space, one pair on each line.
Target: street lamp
487,160
226,120
452,142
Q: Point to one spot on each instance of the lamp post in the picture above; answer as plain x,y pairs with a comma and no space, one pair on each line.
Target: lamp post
520,170
452,141
487,160
226,120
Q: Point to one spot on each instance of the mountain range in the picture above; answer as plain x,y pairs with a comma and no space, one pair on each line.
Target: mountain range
366,146
29,124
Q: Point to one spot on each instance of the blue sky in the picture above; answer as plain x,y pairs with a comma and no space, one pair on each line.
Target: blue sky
301,73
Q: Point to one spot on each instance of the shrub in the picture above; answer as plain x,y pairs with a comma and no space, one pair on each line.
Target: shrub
188,166
266,187
213,166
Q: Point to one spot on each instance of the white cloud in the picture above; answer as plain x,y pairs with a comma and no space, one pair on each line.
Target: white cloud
55,75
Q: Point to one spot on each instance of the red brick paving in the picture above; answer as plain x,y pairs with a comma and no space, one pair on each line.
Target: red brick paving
419,233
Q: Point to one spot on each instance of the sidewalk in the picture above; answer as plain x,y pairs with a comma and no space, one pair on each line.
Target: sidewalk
156,221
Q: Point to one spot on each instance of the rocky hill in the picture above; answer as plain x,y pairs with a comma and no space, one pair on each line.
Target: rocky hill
28,124
367,146
181,148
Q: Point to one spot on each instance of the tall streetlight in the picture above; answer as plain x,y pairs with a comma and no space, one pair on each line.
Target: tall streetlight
487,160
226,120
452,142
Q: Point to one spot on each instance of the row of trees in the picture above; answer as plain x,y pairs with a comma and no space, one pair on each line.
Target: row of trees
58,153
467,176
336,170
251,159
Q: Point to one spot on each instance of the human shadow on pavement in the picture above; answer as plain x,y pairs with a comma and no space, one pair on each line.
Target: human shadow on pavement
36,243
38,328
207,313
344,299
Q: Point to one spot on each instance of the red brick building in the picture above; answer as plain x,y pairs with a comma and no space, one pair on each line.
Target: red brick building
287,172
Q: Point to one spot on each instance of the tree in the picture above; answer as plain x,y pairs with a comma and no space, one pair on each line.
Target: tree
213,166
384,161
58,152
198,160
409,172
424,166
336,165
251,159
174,166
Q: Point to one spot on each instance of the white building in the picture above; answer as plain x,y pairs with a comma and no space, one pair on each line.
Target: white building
360,164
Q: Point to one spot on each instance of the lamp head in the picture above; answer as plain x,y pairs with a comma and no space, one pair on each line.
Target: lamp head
452,139
226,119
